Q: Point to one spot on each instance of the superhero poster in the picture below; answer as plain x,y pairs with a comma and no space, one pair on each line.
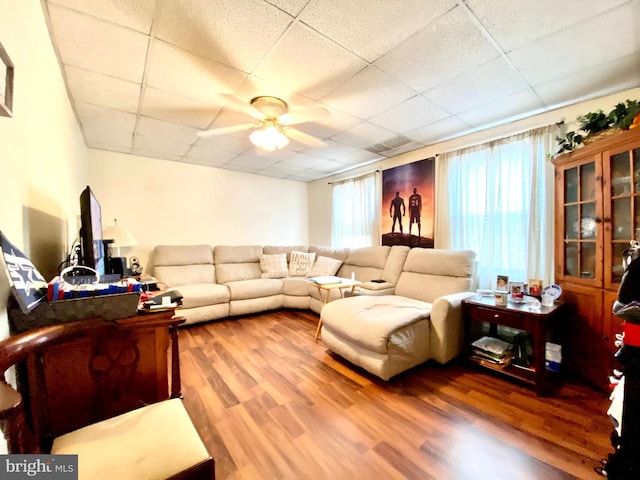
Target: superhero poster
408,204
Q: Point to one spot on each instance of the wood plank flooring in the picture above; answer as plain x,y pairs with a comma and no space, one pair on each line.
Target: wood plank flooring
270,403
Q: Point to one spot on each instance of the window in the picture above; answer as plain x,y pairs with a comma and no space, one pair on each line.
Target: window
498,201
355,214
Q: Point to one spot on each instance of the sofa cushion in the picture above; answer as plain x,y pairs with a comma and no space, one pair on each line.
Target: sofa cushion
202,294
339,253
235,263
274,265
296,286
431,273
369,321
301,263
325,266
183,264
260,287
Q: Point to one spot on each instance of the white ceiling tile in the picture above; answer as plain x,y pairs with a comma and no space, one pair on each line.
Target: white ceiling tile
480,85
446,128
134,14
292,7
226,143
188,75
359,157
308,63
151,127
108,147
406,116
157,145
442,50
370,31
363,135
616,76
98,89
94,116
513,26
506,109
235,33
212,158
107,136
177,109
328,166
92,44
368,93
155,154
559,55
325,128
278,170
332,150
300,160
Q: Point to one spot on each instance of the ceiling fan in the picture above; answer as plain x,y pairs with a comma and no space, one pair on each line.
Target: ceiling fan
272,128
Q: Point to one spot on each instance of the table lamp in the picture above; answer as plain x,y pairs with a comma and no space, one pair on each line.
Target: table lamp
117,236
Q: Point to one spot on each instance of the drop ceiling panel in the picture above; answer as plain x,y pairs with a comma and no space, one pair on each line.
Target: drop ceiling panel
206,156
368,93
513,26
292,7
443,129
235,33
480,85
333,150
155,128
95,117
177,109
225,143
416,111
442,50
509,108
559,55
616,76
176,71
151,145
106,136
363,135
368,31
359,157
98,46
98,89
134,14
304,61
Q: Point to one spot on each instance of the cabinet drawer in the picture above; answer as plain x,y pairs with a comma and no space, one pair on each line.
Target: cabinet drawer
502,317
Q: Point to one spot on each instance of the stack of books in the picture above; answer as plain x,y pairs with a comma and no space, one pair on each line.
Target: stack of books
492,352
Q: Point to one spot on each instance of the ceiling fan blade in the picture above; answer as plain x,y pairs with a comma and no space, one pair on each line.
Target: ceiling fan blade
302,137
240,105
305,115
224,130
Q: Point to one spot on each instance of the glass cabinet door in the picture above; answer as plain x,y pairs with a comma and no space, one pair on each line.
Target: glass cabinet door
580,221
623,200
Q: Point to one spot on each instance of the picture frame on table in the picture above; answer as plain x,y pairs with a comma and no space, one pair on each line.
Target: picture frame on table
6,84
516,290
502,282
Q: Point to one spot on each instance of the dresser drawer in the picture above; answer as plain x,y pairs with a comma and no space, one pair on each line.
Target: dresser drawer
495,315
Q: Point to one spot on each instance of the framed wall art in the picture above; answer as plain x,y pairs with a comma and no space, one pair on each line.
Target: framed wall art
408,204
6,84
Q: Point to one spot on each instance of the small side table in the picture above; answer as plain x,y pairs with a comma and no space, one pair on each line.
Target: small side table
519,316
327,287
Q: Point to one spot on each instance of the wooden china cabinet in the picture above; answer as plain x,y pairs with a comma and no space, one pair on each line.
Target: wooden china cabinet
597,213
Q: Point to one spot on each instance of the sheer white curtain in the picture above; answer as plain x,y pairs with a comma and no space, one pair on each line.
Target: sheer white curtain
355,215
497,199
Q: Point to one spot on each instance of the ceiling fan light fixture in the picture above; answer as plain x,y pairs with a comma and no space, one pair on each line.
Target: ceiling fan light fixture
269,138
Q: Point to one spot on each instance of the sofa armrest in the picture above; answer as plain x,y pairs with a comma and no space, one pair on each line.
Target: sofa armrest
446,338
375,288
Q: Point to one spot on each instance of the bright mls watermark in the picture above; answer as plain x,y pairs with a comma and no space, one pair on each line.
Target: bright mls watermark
51,467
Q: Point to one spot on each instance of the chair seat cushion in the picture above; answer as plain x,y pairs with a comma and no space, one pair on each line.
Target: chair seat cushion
152,442
369,321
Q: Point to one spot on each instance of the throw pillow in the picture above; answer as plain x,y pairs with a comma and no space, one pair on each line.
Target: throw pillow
325,266
300,263
274,266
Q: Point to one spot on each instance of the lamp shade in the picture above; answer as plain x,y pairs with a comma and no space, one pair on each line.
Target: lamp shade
269,137
121,236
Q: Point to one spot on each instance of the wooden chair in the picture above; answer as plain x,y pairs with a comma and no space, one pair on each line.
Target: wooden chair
155,441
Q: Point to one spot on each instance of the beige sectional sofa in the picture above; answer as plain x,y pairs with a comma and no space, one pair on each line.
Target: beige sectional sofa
222,281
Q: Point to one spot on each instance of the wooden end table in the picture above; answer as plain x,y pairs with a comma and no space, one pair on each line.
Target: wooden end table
326,288
537,322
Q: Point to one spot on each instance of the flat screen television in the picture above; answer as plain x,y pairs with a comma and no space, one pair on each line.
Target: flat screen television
91,244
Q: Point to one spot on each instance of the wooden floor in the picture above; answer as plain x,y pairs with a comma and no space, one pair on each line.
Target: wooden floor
270,403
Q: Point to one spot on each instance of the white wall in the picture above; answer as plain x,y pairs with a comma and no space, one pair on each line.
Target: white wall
165,202
320,190
43,155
